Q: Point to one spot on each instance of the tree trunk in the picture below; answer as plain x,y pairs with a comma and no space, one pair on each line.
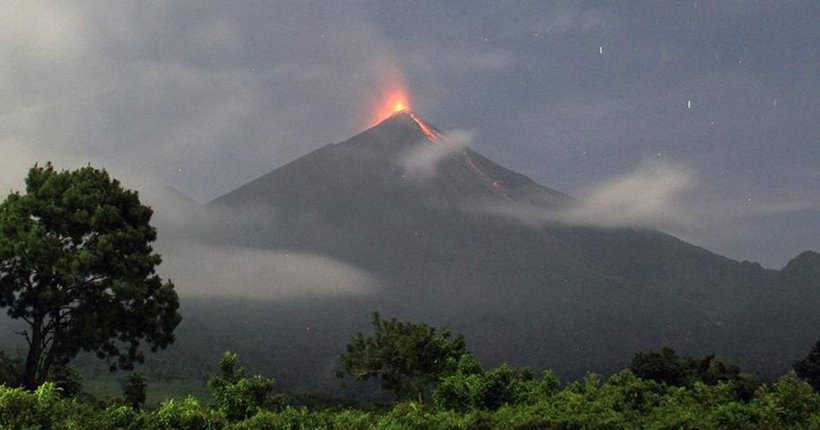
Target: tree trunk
47,362
35,351
50,355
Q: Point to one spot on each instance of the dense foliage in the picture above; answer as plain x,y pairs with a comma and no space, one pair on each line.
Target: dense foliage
809,368
665,365
236,396
705,394
408,357
624,401
76,264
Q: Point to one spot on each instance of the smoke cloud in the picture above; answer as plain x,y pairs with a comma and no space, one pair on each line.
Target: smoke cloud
650,196
422,160
200,270
205,269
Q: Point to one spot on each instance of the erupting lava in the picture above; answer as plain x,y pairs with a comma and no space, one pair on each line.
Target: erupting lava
396,101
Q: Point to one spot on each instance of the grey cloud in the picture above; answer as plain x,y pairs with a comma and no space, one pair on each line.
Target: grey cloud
459,61
181,91
569,19
16,161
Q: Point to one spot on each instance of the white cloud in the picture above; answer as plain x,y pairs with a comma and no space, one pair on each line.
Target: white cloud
199,270
650,196
421,160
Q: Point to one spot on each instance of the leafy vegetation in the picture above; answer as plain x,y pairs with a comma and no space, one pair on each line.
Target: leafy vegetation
238,397
666,366
408,357
701,393
624,401
76,265
809,368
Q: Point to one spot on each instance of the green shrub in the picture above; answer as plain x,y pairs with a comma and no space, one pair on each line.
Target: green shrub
788,403
239,397
472,388
185,415
43,408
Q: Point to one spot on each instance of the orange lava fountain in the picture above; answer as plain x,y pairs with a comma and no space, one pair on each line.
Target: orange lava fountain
396,101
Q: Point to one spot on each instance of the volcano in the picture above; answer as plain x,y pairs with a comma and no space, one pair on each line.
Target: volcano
403,201
369,170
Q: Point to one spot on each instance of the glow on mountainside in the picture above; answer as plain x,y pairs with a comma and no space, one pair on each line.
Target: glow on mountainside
398,102
483,175
429,132
434,137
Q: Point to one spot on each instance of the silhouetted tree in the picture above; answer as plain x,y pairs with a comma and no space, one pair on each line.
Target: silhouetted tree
76,264
667,366
69,382
808,369
711,370
660,366
408,357
135,390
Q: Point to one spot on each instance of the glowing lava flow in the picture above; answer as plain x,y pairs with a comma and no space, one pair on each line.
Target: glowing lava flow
434,137
429,132
398,103
483,175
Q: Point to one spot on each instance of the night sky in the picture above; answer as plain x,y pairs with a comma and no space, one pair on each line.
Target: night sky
584,97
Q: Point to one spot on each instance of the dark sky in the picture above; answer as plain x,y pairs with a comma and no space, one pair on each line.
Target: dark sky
582,96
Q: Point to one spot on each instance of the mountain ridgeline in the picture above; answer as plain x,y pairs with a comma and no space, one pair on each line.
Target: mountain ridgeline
446,247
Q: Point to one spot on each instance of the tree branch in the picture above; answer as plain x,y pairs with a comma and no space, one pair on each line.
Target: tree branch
25,335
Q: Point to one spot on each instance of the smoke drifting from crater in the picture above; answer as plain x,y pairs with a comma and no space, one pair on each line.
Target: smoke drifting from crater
421,160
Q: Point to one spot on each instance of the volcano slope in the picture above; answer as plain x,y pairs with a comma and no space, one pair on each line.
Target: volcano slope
445,232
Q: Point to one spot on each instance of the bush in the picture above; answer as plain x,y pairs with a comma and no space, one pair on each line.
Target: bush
185,415
43,408
788,403
472,388
239,397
